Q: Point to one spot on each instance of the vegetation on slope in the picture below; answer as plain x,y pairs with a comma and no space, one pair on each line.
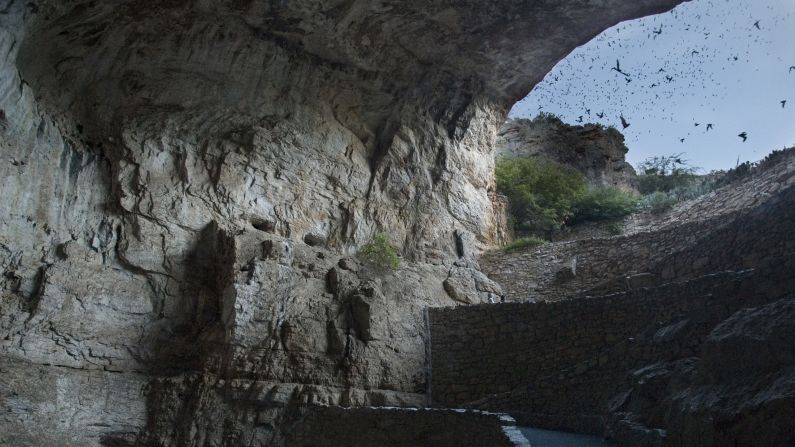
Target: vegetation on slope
545,196
667,180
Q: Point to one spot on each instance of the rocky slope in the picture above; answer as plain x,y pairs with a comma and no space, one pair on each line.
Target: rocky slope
739,388
595,151
184,183
732,227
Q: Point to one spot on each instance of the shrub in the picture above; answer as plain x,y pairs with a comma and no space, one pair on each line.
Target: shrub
380,252
615,228
648,184
603,203
541,194
741,171
548,117
666,165
665,174
524,242
544,196
658,202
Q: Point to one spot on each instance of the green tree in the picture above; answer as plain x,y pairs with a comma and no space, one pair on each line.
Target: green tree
380,252
603,203
665,173
541,193
544,196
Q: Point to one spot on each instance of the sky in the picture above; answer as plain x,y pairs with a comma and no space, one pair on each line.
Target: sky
705,62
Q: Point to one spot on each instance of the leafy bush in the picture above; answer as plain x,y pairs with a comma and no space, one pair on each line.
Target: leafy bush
541,194
524,242
743,170
665,174
603,203
648,184
548,117
615,228
544,196
658,202
666,180
697,188
380,252
666,165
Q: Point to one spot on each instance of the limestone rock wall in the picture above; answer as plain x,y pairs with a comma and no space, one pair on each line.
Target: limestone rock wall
596,152
185,182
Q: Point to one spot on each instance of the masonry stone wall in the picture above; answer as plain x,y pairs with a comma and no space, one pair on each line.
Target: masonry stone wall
556,364
330,426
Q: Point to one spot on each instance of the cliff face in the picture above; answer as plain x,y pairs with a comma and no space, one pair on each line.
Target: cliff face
597,152
184,183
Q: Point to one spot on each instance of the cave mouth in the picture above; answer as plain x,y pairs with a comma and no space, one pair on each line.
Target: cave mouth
191,186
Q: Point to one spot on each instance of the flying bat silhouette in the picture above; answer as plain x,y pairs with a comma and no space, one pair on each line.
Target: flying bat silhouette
618,68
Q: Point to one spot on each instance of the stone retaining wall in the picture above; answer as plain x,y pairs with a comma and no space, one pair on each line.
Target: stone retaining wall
330,426
563,360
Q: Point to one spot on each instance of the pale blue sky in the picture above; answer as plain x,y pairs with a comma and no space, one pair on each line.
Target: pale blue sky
696,47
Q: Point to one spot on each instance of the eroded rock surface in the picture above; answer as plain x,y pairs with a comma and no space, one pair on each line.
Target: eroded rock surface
185,182
740,389
594,151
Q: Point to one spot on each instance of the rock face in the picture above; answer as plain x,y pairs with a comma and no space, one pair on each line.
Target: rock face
740,389
595,151
185,182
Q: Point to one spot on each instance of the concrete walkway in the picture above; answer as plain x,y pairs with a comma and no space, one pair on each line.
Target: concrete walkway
548,438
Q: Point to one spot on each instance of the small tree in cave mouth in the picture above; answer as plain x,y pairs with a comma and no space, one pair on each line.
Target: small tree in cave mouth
545,196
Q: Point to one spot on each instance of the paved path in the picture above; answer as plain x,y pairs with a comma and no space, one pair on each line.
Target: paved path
548,438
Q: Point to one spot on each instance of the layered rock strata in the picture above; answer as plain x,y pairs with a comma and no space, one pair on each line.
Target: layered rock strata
594,151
